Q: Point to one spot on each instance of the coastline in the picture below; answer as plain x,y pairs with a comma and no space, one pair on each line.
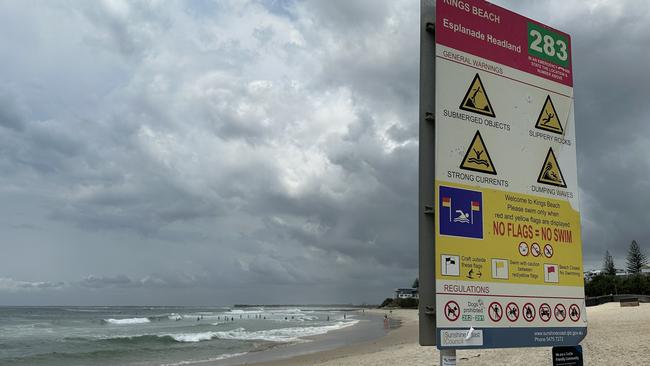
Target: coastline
403,330
615,335
370,328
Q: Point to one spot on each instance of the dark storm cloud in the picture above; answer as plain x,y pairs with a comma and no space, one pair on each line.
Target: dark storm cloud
611,107
609,39
10,116
220,152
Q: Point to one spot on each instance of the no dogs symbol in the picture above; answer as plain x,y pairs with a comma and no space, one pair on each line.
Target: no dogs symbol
452,311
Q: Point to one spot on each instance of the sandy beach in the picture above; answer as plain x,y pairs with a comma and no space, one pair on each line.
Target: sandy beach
616,335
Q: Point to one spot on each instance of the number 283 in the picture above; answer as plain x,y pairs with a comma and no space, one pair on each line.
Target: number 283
548,45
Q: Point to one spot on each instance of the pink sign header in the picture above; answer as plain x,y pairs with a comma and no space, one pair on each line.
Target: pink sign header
499,35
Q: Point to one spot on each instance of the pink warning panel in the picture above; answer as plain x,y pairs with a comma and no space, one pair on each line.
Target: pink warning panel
494,33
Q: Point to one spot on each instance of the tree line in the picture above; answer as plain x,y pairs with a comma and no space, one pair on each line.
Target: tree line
634,262
634,282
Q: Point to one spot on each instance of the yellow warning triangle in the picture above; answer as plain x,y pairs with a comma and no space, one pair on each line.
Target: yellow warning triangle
477,157
548,119
476,99
551,173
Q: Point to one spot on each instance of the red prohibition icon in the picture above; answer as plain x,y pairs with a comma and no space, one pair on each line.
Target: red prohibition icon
545,312
535,250
548,251
528,312
512,311
495,311
523,248
452,311
560,312
574,312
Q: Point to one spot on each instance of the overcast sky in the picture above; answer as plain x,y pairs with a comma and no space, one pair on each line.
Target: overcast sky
219,152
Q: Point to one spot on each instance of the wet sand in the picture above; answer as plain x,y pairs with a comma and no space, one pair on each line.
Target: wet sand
616,336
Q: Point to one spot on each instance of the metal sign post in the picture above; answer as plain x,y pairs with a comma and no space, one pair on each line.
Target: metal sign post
499,217
426,200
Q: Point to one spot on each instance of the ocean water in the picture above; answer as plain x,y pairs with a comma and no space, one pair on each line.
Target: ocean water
155,335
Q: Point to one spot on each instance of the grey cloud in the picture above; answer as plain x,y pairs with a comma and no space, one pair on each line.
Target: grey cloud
261,151
348,14
154,280
9,284
612,136
102,282
10,114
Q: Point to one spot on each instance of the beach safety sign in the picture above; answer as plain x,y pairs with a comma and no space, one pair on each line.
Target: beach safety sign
508,248
548,119
477,158
476,99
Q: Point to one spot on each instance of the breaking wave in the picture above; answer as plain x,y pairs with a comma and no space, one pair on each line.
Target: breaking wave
281,335
127,321
271,335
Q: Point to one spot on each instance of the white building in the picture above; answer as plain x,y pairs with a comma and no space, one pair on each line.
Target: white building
406,293
645,270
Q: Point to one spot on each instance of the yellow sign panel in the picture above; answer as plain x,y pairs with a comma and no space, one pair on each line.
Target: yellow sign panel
476,99
477,157
551,173
501,225
548,119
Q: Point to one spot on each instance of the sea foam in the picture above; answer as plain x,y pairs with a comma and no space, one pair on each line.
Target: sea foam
127,321
280,335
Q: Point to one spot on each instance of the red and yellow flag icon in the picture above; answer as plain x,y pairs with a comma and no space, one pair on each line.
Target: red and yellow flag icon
476,206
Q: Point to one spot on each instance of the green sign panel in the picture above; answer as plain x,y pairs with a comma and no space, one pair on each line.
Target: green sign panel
548,45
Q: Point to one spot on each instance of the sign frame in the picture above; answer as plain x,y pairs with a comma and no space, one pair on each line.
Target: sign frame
426,175
434,328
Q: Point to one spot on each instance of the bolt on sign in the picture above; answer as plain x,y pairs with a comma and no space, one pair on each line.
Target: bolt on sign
507,233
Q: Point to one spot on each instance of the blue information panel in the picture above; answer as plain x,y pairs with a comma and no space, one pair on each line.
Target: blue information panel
461,213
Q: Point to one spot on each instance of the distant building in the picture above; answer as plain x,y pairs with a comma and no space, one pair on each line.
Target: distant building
406,293
621,272
591,274
645,270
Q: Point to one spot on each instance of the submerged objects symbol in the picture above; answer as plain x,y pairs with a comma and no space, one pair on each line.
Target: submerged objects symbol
476,99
